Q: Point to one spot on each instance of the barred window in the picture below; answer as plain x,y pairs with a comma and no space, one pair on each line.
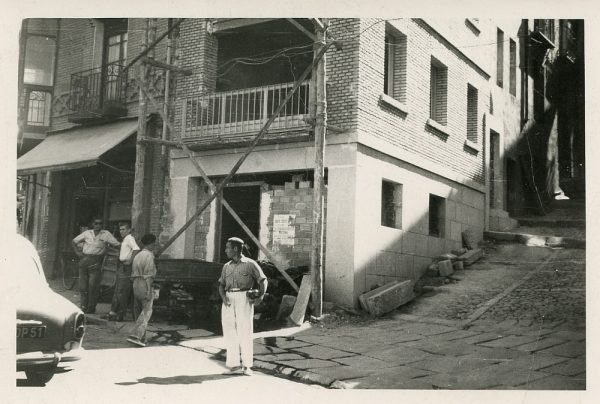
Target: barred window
472,113
395,65
438,99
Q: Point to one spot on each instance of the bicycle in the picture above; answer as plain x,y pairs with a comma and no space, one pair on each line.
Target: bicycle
69,269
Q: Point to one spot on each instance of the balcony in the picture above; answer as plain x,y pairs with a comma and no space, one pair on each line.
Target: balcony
98,94
237,115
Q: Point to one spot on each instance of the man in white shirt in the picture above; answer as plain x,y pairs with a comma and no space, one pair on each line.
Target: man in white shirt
95,242
121,297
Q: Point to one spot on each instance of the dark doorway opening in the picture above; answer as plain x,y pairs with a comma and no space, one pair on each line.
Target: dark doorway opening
245,201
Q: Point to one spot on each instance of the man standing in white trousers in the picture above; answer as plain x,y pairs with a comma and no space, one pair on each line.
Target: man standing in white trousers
239,276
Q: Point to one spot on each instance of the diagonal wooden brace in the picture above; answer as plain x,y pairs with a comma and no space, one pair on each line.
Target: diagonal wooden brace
214,190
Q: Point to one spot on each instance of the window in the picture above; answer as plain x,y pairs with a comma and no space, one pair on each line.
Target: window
438,98
39,60
513,68
395,65
500,58
391,204
472,113
115,54
38,108
437,215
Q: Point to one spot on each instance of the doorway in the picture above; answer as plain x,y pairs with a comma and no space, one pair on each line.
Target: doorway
245,201
496,175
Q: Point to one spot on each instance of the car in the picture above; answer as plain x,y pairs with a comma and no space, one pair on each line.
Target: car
50,328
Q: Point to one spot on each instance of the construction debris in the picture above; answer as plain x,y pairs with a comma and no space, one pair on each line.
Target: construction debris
387,298
470,257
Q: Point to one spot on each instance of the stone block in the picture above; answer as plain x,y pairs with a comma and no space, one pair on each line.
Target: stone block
459,252
387,298
458,266
472,256
467,239
305,184
286,306
451,257
445,268
432,270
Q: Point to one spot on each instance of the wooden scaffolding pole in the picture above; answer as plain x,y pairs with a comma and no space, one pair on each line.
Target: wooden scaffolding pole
138,206
316,256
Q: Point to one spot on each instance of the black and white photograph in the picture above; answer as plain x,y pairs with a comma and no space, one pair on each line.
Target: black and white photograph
266,206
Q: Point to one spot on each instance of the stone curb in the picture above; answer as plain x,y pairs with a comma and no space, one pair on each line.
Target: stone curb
535,240
299,374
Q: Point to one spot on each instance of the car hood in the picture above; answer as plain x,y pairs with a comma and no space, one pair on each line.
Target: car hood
44,303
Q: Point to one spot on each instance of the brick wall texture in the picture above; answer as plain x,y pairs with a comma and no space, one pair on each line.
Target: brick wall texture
408,131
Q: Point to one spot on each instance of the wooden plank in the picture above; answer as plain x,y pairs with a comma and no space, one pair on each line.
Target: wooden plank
297,316
302,29
166,66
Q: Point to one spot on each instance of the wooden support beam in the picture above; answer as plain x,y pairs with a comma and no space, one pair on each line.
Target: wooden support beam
219,195
156,63
254,143
304,30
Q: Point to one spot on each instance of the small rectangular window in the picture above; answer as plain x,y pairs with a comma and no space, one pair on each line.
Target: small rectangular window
500,58
513,68
438,96
472,113
391,204
437,215
395,65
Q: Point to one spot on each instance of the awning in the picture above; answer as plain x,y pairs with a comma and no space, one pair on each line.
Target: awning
75,148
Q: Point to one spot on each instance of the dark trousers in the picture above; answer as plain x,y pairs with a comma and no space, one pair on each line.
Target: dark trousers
90,275
121,297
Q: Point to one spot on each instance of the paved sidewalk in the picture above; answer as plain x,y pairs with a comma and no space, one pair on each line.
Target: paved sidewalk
525,329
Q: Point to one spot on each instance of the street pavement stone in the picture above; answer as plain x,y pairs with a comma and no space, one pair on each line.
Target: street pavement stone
343,372
308,363
364,362
570,335
260,349
322,352
399,355
484,378
484,337
540,344
451,365
429,329
278,357
553,382
570,349
571,367
530,362
388,381
281,342
508,342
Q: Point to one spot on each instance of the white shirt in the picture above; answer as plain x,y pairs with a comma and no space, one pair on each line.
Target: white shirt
95,244
128,246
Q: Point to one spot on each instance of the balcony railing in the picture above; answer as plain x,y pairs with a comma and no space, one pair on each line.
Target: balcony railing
98,92
244,111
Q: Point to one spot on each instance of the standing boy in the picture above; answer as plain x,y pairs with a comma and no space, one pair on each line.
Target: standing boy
142,272
120,300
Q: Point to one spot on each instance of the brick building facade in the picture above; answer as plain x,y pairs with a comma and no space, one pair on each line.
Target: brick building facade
421,115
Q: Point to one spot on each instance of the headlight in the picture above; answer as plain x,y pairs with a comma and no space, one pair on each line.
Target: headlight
71,345
79,327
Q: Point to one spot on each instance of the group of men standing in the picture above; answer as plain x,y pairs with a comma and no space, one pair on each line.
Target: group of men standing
242,284
135,272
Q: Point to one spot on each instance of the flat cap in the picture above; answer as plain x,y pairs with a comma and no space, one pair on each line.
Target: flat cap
236,240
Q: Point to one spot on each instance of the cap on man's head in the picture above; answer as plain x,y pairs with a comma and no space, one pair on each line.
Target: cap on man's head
236,240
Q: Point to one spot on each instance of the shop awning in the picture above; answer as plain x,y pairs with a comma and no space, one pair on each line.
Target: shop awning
75,148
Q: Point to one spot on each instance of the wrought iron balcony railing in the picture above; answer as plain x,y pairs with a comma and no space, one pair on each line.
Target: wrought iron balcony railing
99,92
243,111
